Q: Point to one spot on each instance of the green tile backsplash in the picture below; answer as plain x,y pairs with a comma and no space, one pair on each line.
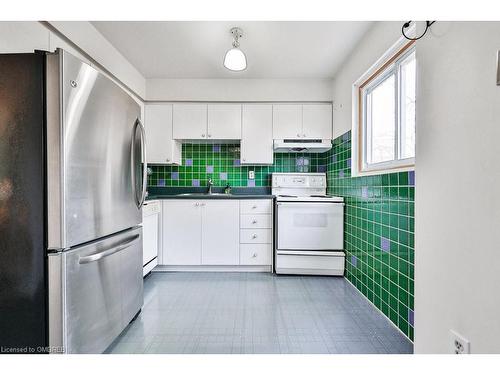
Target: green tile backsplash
222,164
379,233
379,213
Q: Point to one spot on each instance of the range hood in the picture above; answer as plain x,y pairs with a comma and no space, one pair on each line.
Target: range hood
303,145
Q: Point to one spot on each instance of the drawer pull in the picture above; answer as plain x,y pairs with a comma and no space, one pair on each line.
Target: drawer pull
254,255
254,235
254,206
254,221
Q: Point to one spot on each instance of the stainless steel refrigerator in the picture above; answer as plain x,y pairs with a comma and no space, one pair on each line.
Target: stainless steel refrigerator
72,185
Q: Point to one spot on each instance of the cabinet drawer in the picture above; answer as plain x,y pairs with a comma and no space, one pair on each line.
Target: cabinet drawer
255,221
256,206
259,254
256,236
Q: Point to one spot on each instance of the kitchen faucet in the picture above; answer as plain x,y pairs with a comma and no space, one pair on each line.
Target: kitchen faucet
210,183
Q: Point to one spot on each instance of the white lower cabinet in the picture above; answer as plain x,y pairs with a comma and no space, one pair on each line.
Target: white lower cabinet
181,232
217,232
200,232
219,228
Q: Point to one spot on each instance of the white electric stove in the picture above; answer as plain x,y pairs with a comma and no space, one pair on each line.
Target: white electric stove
309,225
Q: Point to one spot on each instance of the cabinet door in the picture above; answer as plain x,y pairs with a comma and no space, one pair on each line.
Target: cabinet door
189,121
224,121
181,232
161,148
317,121
287,121
257,134
220,232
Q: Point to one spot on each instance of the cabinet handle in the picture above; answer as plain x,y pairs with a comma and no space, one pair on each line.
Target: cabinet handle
210,135
254,207
254,236
196,204
298,135
203,135
203,204
254,222
303,135
254,255
168,159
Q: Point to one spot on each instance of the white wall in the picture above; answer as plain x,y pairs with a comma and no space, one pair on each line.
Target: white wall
457,265
373,45
239,89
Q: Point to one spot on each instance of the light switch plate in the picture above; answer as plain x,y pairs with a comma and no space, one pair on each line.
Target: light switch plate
251,175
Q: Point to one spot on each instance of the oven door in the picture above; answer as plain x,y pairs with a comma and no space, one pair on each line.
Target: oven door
310,226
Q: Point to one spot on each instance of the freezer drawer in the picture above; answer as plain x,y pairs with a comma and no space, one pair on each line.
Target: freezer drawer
310,263
94,292
310,226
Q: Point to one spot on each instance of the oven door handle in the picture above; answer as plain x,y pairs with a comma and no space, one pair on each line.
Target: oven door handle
308,204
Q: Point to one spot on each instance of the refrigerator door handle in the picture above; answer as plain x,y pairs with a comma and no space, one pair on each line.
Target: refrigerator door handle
139,201
108,251
145,164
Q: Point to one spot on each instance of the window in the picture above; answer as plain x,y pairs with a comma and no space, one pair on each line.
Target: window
385,126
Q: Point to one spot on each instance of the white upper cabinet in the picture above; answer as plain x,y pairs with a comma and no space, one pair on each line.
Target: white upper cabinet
287,121
224,121
160,146
220,232
190,121
257,134
317,121
297,121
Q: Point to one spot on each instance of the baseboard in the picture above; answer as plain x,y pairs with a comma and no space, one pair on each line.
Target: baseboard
385,316
164,268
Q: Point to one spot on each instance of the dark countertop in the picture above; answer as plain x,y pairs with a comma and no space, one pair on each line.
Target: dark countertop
156,192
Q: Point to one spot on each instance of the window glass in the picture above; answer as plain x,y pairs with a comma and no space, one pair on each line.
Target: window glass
381,119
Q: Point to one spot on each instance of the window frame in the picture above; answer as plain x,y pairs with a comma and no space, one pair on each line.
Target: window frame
389,64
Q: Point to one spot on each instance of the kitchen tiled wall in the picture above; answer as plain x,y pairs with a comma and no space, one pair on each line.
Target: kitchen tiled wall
222,164
379,233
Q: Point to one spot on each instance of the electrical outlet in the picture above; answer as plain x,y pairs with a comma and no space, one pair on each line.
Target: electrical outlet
251,175
459,344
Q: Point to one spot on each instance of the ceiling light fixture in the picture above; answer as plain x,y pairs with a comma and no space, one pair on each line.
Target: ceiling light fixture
235,59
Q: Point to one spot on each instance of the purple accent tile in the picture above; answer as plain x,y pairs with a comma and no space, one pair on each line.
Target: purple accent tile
385,244
210,169
334,158
364,191
216,148
251,183
161,182
411,317
345,137
411,178
349,163
174,175
236,162
341,174
189,162
321,168
299,161
354,261
195,182
223,176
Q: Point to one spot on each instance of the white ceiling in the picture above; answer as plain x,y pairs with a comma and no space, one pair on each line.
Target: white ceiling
194,49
